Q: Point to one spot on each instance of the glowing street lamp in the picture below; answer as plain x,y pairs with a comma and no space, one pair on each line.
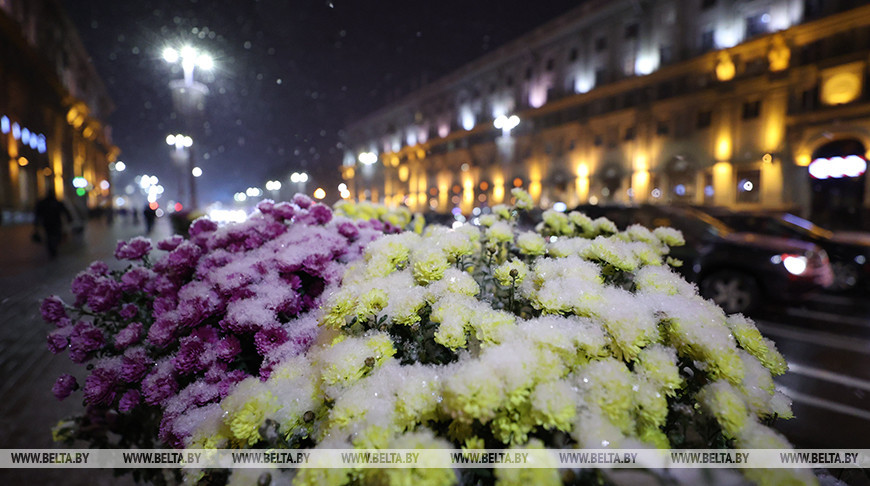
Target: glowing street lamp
190,59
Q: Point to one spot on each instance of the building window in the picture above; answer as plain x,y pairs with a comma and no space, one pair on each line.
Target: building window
757,24
705,4
662,128
600,76
600,44
748,186
751,109
599,141
572,55
631,31
708,187
666,55
704,119
707,43
630,134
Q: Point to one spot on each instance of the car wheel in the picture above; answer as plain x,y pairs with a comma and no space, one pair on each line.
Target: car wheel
845,276
732,291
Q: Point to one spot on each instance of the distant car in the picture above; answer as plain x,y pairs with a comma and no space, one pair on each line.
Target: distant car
736,270
849,253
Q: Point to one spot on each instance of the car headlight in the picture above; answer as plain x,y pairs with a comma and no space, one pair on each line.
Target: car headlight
795,264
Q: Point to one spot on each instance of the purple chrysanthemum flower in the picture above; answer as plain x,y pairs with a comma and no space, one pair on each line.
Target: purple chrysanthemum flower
348,230
64,386
318,214
134,249
129,335
58,340
269,338
129,311
265,206
101,386
283,210
201,226
160,384
129,401
84,339
105,295
188,358
135,364
136,279
302,201
162,332
53,309
98,268
170,243
228,348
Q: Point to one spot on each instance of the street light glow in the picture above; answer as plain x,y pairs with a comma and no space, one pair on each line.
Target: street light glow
319,193
120,166
368,158
299,177
170,55
205,62
273,185
197,172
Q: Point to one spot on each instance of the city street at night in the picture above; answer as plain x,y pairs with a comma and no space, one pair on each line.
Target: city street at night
445,243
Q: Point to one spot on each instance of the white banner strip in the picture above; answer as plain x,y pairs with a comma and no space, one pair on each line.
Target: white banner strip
434,458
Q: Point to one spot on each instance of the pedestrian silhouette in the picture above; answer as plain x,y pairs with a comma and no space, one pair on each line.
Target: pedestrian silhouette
50,214
150,216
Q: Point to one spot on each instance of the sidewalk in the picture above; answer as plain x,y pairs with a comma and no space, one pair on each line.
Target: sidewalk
28,409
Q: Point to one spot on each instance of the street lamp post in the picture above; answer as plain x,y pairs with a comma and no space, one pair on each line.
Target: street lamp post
188,97
181,156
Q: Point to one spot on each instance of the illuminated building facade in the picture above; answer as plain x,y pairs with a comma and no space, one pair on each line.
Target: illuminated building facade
717,102
52,103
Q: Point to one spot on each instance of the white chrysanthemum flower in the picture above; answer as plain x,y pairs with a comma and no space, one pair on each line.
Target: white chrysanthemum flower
609,384
455,281
695,327
487,220
628,320
757,385
583,224
472,391
554,405
428,264
651,405
752,341
568,295
658,364
500,232
564,247
780,404
523,199
612,251
557,222
502,273
669,236
405,304
726,404
455,244
569,267
660,279
531,243
346,362
593,430
638,232
502,211
605,226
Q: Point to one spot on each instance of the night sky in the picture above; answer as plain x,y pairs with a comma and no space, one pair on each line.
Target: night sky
288,76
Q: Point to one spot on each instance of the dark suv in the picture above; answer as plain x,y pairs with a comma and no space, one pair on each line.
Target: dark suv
734,269
850,255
